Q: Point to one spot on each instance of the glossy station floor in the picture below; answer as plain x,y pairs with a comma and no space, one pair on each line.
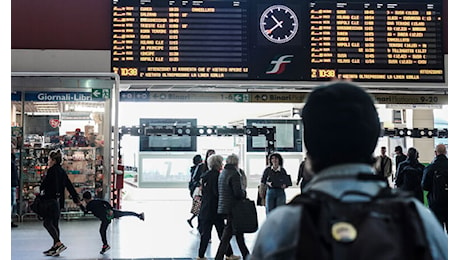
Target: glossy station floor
164,234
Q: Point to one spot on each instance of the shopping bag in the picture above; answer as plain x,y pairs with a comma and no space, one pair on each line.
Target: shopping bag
196,205
245,217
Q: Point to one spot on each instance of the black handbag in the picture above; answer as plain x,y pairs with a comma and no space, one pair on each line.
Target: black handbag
38,206
245,217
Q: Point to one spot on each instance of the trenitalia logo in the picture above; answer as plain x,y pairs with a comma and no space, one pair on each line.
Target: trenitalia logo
279,64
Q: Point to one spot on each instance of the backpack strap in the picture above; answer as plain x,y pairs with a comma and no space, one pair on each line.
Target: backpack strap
310,244
320,213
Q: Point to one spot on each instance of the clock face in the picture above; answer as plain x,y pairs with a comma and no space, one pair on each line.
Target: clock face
279,24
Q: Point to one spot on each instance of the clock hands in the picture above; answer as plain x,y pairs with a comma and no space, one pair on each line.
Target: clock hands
278,24
276,21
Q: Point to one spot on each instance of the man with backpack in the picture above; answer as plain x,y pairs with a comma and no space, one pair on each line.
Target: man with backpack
435,182
409,174
347,211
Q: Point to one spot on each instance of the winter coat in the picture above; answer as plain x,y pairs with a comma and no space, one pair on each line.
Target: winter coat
230,189
439,163
210,195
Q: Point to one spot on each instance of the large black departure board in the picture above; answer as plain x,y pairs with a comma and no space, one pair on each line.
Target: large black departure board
370,41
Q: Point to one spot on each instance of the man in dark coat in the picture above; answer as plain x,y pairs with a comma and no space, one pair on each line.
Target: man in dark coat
409,174
400,156
438,169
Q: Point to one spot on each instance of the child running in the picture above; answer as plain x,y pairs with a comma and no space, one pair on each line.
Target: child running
105,212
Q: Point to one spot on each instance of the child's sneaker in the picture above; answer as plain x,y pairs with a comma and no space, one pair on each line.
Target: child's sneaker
141,216
104,249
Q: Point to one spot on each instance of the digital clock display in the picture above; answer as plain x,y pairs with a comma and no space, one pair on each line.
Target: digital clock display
268,40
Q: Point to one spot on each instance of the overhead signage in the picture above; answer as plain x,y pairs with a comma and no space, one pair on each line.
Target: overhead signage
100,93
364,41
411,99
145,96
15,96
265,97
61,96
273,97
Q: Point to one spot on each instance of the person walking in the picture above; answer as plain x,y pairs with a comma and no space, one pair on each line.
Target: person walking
196,170
208,216
105,212
435,180
409,174
14,186
52,191
343,171
303,174
275,177
209,152
383,165
400,156
230,191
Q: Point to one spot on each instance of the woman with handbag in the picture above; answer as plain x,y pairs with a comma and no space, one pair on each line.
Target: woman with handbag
52,192
208,216
230,191
276,179
194,186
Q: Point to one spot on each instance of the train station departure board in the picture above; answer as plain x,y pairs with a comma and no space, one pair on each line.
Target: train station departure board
373,41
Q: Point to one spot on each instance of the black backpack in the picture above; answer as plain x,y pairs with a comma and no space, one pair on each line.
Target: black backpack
412,177
387,227
439,190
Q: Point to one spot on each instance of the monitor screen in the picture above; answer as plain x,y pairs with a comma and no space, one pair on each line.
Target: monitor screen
288,135
167,142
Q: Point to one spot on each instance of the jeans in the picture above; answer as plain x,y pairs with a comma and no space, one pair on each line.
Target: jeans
275,197
13,199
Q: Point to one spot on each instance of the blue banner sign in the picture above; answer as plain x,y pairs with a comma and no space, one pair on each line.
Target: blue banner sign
15,96
61,96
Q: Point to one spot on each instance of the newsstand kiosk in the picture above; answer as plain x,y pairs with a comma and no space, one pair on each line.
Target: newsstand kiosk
75,112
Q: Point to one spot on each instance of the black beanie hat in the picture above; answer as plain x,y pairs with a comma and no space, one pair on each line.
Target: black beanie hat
341,125
87,195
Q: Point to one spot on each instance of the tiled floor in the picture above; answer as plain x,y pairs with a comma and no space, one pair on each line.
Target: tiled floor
164,234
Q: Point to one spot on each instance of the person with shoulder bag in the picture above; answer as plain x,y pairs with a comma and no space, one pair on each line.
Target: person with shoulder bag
52,193
230,192
277,180
196,171
208,216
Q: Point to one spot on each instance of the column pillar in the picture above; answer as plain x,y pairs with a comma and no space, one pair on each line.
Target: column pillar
424,118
